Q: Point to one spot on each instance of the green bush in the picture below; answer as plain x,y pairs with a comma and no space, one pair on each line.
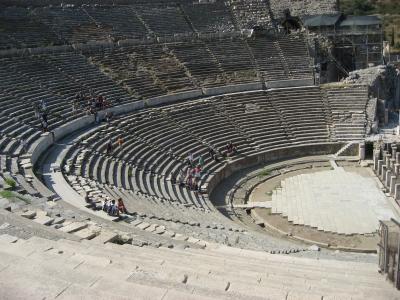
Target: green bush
11,182
6,194
264,173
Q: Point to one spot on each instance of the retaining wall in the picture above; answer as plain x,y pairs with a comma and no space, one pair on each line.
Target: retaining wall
289,83
232,88
271,156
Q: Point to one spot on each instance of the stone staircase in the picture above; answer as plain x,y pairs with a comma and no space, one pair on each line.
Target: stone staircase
344,148
38,268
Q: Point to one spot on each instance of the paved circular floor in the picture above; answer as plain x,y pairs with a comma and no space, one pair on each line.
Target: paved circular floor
333,201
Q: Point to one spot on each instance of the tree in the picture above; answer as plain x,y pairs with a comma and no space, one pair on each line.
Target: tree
359,7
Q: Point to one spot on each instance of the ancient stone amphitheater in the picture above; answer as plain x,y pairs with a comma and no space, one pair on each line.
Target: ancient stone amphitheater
179,77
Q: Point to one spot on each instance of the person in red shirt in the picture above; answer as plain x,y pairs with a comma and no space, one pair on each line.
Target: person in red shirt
121,206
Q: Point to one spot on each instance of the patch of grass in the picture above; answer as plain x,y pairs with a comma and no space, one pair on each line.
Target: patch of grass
263,173
27,201
7,194
11,182
12,196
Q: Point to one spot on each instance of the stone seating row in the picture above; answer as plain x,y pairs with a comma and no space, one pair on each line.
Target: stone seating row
85,267
144,71
218,18
249,14
156,141
164,21
302,8
20,29
26,81
295,53
349,111
56,25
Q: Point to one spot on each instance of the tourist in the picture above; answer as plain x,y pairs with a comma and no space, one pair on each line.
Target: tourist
44,126
90,202
181,177
106,206
231,149
109,147
109,116
24,145
113,209
197,176
170,152
201,161
43,105
121,206
36,111
120,142
43,116
212,153
190,159
74,108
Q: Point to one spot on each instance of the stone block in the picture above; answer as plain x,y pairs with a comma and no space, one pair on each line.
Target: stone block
44,220
40,213
380,164
376,156
387,178
160,230
394,151
75,226
383,173
397,191
143,225
105,237
387,161
396,169
180,237
361,150
169,234
392,187
30,214
392,164
6,238
85,234
59,220
152,228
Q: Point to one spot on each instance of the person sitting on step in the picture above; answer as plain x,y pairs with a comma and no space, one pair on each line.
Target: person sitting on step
120,141
109,147
201,161
230,149
106,205
213,154
121,206
113,209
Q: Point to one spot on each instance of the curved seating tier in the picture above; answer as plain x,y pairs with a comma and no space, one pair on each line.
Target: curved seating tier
146,168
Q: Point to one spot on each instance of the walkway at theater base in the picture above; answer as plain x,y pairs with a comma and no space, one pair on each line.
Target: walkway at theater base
332,201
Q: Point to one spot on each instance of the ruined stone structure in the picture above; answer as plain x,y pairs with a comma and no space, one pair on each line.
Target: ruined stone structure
169,84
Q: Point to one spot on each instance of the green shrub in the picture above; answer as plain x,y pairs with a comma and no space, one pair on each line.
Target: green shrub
11,182
263,173
6,194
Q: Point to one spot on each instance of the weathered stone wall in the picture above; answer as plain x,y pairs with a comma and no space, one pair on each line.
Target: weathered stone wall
273,156
382,80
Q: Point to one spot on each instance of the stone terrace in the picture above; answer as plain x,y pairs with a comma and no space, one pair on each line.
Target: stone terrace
107,270
156,142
